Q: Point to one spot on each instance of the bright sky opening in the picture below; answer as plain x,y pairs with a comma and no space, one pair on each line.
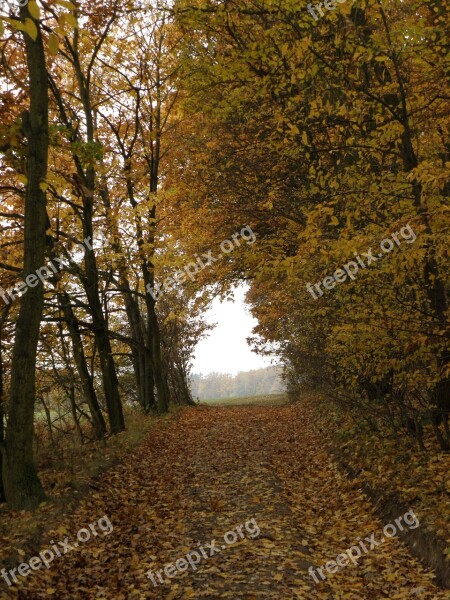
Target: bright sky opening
225,349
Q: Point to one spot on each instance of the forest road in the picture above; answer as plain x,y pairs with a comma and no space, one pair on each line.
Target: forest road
229,502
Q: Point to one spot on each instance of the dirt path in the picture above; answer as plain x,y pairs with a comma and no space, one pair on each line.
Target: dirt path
259,477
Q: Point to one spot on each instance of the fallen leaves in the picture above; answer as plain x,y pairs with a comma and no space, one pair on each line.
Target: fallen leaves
202,475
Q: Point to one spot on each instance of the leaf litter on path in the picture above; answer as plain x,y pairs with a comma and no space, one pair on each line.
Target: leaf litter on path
205,473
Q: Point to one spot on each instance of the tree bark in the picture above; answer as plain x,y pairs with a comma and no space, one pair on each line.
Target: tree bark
159,371
22,486
2,416
87,384
91,278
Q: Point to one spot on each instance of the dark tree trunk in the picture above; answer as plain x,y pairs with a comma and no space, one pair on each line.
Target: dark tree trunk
159,371
73,407
22,486
142,357
142,360
87,181
2,401
2,416
87,384
435,288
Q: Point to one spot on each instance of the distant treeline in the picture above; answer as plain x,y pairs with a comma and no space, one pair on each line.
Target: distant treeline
248,383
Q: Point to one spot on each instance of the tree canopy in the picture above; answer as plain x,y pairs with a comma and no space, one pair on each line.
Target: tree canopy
135,139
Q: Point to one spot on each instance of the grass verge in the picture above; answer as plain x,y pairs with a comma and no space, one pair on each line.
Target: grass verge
269,400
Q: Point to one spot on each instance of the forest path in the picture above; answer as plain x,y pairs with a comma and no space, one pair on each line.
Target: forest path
258,481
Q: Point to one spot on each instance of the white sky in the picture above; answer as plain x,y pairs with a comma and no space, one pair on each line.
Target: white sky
225,350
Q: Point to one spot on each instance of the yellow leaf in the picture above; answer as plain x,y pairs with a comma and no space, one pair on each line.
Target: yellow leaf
16,24
66,4
61,24
53,44
31,29
23,179
72,20
34,9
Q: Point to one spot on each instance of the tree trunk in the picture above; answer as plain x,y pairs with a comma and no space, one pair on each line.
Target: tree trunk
87,179
87,384
73,407
435,287
159,371
2,416
22,486
142,357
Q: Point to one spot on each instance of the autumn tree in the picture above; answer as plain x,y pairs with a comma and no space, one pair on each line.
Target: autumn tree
20,480
329,135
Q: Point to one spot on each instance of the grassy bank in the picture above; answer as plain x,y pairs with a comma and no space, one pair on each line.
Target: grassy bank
269,400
